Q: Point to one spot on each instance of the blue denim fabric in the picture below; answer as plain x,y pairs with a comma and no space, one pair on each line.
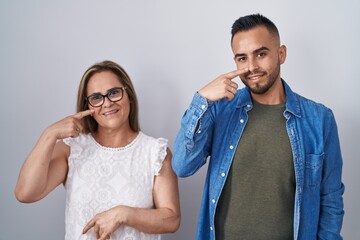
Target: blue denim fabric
312,130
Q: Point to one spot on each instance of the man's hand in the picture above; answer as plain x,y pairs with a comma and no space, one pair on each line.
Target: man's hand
222,87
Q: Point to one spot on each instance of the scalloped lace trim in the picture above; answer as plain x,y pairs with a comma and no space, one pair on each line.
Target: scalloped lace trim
119,148
161,155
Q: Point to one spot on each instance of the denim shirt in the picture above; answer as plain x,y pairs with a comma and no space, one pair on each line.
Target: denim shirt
214,129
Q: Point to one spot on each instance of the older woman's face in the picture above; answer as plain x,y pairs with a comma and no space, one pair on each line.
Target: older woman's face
110,115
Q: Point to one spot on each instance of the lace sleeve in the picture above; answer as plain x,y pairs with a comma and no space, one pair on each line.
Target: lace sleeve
160,155
68,141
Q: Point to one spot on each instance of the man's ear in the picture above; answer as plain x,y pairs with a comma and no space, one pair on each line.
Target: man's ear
282,53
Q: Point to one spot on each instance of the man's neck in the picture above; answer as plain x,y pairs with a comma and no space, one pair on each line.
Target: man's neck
275,95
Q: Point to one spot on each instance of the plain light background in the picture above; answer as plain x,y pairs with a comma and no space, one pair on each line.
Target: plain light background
170,50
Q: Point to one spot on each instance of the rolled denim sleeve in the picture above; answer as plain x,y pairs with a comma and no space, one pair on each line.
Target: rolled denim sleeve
332,188
193,141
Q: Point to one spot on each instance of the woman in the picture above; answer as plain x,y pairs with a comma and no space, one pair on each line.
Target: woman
119,182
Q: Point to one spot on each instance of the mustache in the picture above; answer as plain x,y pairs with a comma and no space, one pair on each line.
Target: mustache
248,73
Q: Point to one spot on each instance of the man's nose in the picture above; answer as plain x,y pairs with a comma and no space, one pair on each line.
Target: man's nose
253,65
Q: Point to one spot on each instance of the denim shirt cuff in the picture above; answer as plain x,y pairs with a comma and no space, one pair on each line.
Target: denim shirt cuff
200,103
198,106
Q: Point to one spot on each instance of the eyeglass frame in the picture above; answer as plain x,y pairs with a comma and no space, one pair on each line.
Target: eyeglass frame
106,95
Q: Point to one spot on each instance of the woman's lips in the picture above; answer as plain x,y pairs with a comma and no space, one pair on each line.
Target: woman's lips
108,113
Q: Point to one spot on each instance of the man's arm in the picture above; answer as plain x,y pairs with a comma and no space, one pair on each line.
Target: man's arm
194,140
332,189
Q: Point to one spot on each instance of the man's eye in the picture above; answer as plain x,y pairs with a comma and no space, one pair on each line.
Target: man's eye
241,59
262,54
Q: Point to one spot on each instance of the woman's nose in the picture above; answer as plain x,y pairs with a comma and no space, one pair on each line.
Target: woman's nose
107,102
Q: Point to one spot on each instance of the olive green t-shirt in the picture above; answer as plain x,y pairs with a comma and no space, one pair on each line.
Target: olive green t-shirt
257,201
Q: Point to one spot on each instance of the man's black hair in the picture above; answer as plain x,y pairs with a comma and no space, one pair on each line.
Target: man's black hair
251,21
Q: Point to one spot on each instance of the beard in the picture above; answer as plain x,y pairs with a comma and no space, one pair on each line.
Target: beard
262,87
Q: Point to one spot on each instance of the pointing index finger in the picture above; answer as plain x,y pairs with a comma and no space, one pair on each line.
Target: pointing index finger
88,226
83,114
236,73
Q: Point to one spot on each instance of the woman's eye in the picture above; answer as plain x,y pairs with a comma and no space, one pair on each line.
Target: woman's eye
96,97
114,92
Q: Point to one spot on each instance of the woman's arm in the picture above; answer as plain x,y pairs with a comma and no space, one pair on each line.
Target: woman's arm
46,166
44,169
165,218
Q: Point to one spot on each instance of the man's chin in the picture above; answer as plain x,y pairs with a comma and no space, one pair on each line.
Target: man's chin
258,90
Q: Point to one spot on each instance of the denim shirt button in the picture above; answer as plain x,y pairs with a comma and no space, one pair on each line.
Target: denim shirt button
231,147
241,120
223,174
211,228
202,106
199,131
213,201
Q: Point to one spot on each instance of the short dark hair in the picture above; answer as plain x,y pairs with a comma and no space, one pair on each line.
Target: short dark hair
251,21
89,123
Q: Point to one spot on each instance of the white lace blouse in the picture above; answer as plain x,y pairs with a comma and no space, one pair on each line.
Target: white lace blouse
100,178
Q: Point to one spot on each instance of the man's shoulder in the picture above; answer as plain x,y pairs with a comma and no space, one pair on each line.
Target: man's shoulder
309,107
310,102
296,100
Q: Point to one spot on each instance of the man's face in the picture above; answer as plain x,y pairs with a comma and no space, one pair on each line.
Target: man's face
260,52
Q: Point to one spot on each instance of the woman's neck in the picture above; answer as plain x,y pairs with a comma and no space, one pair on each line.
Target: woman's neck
114,138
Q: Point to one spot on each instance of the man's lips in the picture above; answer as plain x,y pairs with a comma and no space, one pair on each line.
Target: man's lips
255,76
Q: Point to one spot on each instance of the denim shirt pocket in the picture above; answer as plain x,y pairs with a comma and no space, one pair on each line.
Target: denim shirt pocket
313,170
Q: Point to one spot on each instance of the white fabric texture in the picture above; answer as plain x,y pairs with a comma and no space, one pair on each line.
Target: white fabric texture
100,178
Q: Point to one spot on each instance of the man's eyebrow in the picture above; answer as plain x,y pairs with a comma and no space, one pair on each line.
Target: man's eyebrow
261,49
256,51
240,55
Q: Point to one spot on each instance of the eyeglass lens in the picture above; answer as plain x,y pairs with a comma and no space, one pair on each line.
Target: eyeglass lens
114,95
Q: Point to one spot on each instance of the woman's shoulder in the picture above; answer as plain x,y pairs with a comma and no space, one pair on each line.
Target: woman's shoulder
82,139
157,150
152,140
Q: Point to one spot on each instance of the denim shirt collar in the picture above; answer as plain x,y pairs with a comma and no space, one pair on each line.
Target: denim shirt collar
292,101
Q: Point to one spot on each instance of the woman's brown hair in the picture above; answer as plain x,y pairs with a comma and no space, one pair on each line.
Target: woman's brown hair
89,123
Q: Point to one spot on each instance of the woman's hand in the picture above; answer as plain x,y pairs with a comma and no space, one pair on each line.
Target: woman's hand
69,126
107,222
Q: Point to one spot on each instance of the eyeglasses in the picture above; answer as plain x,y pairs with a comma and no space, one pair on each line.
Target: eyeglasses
113,94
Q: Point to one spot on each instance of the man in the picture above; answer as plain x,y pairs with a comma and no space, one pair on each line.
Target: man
275,161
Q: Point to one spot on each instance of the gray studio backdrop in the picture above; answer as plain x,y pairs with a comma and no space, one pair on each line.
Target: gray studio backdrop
170,49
